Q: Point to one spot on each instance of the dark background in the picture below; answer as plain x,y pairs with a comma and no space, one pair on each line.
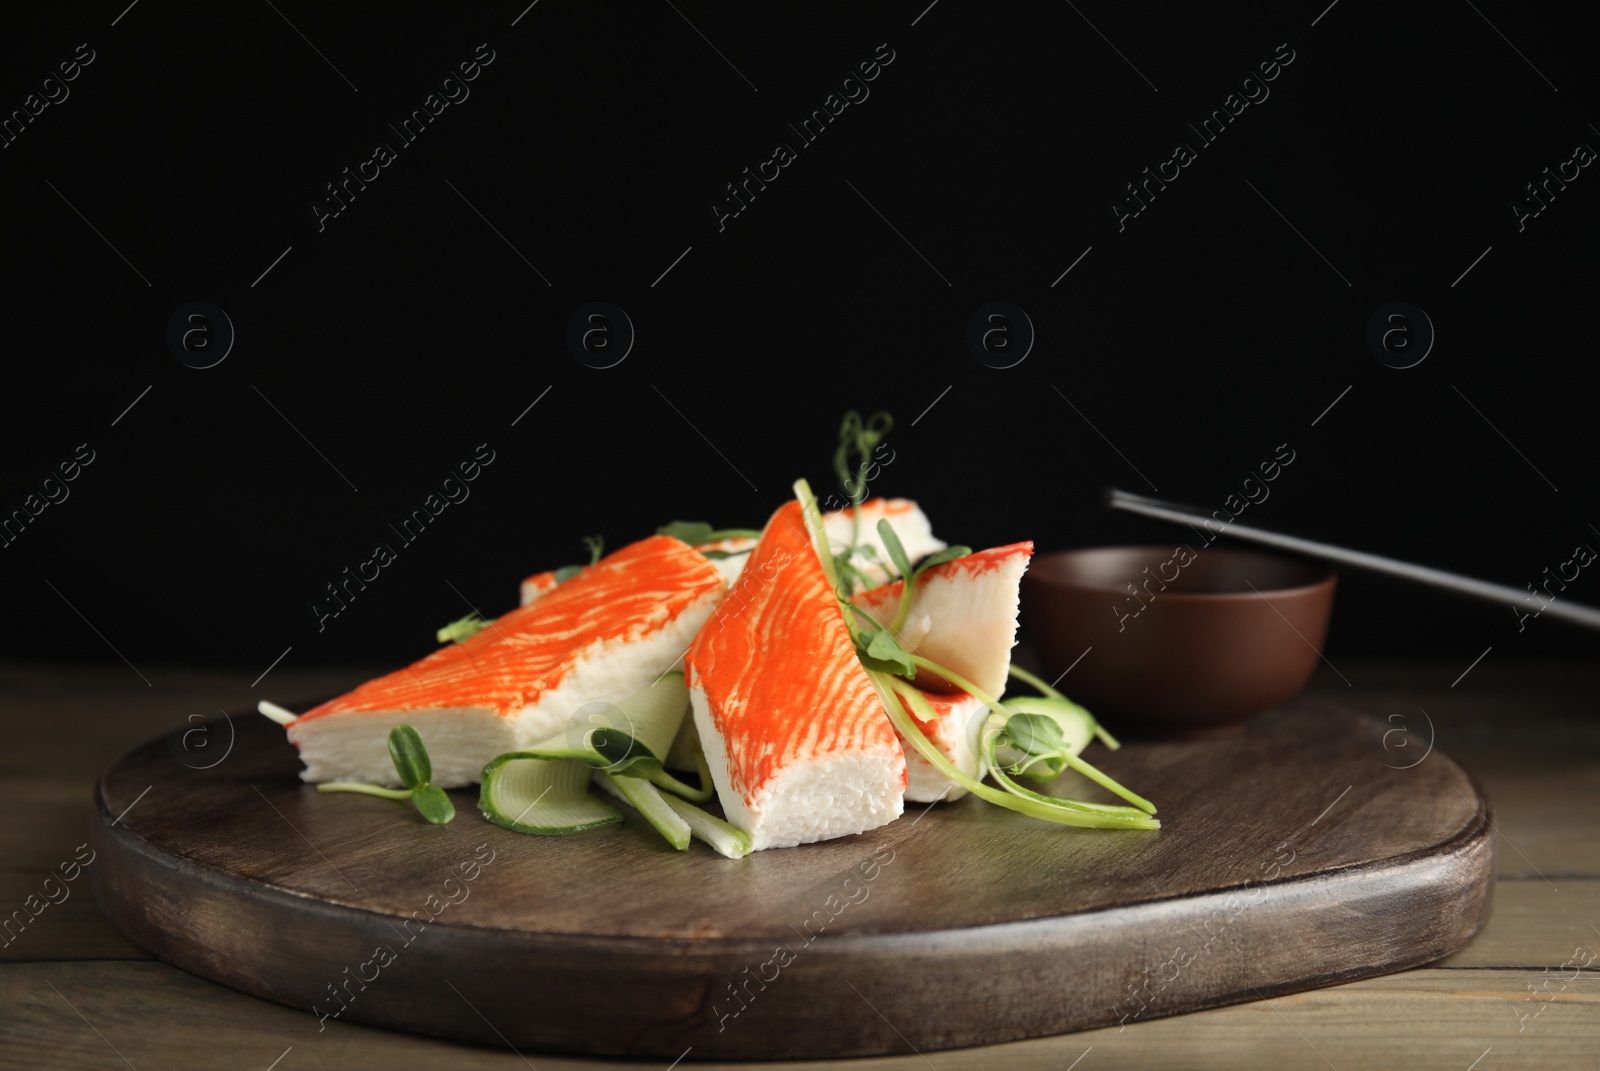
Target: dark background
380,351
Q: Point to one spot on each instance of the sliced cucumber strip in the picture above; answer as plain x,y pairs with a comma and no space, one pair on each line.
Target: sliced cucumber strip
685,750
545,793
648,801
366,789
727,839
635,736
652,772
642,727
614,750
686,754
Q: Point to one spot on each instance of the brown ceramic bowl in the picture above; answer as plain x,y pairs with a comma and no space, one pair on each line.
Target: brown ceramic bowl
1209,639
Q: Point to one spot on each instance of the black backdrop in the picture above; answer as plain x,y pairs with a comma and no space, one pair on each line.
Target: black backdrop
377,348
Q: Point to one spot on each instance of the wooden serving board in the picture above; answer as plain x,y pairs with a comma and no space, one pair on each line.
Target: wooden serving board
1291,856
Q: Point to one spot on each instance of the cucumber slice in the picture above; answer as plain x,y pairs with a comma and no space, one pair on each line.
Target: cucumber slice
1077,727
652,772
685,749
363,787
674,818
1077,724
545,793
1048,689
728,840
685,755
648,801
635,736
640,728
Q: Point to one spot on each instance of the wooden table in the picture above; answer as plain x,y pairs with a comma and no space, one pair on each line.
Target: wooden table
1526,993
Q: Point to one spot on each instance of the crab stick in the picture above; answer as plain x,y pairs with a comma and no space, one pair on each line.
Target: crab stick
601,636
799,744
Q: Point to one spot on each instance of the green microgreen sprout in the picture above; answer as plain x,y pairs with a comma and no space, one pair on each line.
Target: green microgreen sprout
897,554
1039,739
858,438
698,533
852,460
462,629
411,762
719,555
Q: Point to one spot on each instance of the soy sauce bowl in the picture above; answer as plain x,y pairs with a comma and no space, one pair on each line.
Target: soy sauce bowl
1173,641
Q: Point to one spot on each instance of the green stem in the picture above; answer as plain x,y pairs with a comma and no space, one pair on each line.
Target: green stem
370,790
1106,808
907,591
1107,782
659,777
959,681
819,534
1028,678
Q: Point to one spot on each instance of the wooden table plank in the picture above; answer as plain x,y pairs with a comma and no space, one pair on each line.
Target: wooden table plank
1417,1019
67,926
1547,809
1536,925
158,1016
43,819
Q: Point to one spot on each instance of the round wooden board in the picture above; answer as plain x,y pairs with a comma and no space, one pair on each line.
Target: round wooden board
1293,856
